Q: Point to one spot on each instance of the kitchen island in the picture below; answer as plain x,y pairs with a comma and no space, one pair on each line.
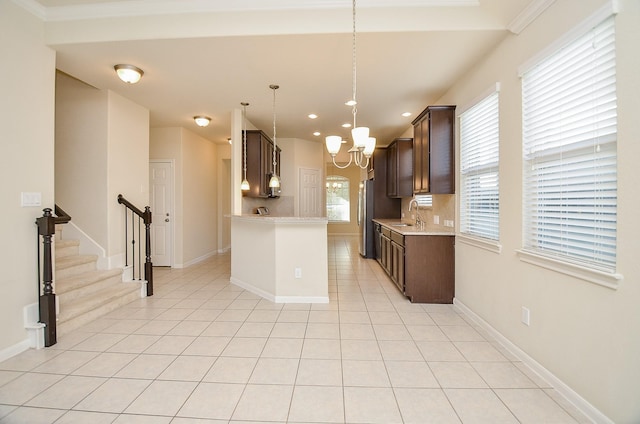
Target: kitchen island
282,259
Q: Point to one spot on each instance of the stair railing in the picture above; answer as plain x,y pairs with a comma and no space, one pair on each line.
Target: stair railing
46,297
133,222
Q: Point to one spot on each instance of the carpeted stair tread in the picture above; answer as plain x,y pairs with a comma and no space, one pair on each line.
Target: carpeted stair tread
67,284
100,298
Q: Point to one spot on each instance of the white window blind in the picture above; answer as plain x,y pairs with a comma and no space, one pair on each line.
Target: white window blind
569,152
424,200
479,155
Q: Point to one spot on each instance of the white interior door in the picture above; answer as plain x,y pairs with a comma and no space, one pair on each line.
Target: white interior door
310,194
161,200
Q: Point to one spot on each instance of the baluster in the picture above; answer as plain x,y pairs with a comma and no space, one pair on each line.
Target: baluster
47,228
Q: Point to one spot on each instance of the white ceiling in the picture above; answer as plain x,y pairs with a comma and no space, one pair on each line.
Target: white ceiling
207,56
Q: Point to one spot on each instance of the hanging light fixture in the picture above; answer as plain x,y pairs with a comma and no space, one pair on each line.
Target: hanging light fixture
128,73
274,182
363,145
201,120
244,186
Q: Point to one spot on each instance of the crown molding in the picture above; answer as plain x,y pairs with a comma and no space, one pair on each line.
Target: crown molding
528,15
116,9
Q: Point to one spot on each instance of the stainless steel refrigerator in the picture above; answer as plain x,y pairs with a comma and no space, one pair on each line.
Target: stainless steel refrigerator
365,216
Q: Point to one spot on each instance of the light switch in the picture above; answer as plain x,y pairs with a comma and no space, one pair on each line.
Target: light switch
30,199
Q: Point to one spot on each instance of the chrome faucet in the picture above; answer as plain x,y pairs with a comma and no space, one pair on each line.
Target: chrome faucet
418,221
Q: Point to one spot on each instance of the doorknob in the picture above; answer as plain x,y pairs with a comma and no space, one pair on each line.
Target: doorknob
166,220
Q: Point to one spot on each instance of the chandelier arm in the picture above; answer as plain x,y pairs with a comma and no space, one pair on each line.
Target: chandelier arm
342,166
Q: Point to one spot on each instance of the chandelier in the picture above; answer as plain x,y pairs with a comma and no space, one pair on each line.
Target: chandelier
363,145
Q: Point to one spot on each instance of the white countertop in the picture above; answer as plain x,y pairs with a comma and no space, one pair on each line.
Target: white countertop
412,230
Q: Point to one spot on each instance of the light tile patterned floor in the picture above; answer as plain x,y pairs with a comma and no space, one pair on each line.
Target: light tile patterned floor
204,351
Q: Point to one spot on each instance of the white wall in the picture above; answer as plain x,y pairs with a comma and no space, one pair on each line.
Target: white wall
585,334
26,163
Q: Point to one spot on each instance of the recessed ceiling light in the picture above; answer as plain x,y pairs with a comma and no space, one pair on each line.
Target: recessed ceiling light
347,125
406,114
312,116
317,133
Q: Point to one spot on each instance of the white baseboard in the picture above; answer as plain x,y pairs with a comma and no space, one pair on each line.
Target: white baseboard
196,260
14,350
278,299
563,389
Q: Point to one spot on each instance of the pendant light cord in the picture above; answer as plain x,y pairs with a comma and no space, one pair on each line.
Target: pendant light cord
354,77
244,141
275,145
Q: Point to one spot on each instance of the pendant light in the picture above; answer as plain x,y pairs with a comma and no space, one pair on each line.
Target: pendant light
244,186
363,145
274,182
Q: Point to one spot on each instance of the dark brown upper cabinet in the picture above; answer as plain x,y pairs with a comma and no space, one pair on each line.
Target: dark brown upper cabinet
400,168
260,163
433,151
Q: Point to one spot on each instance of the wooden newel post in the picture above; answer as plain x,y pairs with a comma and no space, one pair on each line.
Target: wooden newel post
47,228
148,266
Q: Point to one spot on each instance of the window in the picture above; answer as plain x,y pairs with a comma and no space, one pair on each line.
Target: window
479,155
569,153
424,200
338,208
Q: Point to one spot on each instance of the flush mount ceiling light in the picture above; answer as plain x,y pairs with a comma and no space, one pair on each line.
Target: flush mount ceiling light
274,182
129,73
202,121
363,145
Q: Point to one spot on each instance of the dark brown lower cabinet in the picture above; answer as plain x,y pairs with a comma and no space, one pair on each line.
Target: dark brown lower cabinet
421,266
429,268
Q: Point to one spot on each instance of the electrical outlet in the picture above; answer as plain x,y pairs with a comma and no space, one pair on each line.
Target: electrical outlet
436,219
526,316
448,223
298,272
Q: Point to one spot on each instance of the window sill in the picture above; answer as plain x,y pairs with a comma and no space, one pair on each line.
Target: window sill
490,245
602,278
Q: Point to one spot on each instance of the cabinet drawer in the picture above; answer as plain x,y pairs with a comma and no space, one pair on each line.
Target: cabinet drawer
397,237
385,232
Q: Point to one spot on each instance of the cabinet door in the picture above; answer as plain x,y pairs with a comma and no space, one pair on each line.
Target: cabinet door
424,154
392,170
254,154
441,152
417,157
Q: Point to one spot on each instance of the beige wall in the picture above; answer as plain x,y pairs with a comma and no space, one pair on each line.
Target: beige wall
195,192
127,164
101,150
26,158
586,335
81,155
200,194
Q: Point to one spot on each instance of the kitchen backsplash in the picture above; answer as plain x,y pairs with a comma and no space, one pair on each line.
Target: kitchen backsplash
444,208
281,206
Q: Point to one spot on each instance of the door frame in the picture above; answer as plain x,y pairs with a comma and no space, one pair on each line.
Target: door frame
172,205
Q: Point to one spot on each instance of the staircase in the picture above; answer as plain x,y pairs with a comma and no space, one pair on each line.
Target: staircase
84,292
